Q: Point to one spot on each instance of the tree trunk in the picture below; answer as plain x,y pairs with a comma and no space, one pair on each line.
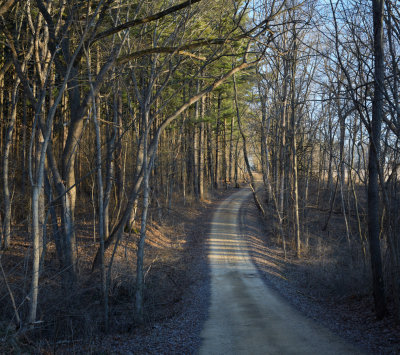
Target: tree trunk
201,151
140,250
36,255
231,152
210,163
373,163
236,174
6,186
294,146
224,165
217,140
283,157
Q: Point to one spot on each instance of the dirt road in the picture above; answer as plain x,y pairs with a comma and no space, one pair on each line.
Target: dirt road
246,316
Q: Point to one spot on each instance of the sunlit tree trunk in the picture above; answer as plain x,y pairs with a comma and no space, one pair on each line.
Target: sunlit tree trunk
294,146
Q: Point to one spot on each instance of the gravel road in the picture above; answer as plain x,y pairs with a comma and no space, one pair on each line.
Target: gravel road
245,315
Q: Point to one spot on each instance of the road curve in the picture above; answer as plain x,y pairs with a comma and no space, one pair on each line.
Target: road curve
246,316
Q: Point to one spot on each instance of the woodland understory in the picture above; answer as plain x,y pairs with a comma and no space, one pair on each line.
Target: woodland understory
116,114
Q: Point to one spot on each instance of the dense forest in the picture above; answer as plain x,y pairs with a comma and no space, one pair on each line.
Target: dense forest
114,111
